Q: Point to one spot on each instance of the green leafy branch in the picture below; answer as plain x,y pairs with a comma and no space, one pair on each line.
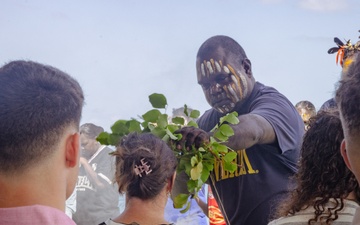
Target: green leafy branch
195,163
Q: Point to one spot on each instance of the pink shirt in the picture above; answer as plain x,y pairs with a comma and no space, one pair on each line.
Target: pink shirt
35,214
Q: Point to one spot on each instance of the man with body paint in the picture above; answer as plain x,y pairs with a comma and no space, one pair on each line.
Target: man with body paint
267,139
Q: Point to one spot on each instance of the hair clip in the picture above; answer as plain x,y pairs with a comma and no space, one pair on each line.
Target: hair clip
144,167
344,50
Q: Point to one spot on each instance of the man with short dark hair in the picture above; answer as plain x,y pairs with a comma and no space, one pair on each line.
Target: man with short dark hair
40,110
267,140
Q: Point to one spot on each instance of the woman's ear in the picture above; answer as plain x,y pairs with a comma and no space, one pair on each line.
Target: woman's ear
171,182
344,154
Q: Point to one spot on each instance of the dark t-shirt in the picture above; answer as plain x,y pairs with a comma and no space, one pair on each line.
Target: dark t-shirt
250,193
95,205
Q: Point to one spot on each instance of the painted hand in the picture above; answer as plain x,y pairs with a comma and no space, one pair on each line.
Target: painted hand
192,136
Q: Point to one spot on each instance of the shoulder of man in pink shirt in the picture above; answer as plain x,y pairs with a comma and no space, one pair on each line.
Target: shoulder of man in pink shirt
34,214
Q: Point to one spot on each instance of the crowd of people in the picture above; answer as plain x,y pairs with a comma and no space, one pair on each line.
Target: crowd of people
295,165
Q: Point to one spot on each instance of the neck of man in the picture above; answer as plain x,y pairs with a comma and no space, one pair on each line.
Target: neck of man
38,185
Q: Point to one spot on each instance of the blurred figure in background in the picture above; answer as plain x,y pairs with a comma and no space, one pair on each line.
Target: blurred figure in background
306,110
97,196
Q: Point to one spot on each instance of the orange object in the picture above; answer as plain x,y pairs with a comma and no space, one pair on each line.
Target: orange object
215,215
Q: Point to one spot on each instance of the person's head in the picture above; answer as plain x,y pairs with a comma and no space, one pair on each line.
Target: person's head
88,135
224,72
348,98
322,171
40,110
145,166
306,110
328,105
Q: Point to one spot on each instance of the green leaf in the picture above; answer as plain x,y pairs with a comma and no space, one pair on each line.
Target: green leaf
182,163
226,130
151,126
180,200
209,166
103,138
171,135
134,126
178,120
195,172
166,138
162,120
219,147
192,124
231,167
231,118
220,136
230,156
172,127
205,174
159,132
191,186
186,110
186,208
158,101
114,139
188,168
194,161
120,127
151,116
195,114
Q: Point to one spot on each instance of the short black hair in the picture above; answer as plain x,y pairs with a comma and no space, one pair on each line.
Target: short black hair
37,102
220,41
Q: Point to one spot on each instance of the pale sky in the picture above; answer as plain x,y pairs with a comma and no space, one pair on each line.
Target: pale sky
122,51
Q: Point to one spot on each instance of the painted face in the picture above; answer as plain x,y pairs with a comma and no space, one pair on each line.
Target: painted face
223,84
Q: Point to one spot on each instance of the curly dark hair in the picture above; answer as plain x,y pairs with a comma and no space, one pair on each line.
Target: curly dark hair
322,174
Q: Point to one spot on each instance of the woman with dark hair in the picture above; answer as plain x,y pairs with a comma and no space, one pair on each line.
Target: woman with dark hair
327,191
145,172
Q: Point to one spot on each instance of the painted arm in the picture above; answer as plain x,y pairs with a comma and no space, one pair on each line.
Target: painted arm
252,129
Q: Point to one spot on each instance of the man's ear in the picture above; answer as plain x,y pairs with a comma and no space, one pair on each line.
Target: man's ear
344,155
247,66
72,152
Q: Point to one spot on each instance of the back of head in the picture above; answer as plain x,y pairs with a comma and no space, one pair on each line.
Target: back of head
322,170
91,130
348,96
37,102
144,164
322,173
328,105
306,110
227,44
